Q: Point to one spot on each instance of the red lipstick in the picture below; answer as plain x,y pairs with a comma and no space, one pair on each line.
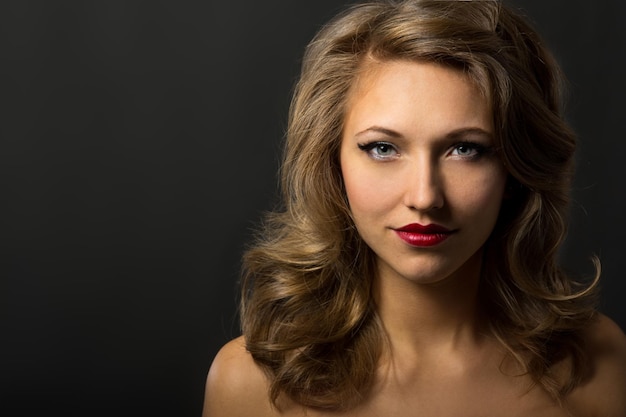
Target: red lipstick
422,236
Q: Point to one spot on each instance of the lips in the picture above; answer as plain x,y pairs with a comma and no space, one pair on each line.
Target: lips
423,235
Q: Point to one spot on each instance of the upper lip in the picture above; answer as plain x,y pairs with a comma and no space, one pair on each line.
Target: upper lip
419,228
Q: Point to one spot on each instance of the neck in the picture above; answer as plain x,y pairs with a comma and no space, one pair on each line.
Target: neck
437,317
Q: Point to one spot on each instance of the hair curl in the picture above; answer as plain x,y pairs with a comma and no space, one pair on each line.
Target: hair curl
306,309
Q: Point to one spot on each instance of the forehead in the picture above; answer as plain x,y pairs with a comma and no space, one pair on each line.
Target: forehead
416,94
370,66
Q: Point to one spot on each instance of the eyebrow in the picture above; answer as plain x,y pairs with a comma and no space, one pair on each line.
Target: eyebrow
379,129
457,133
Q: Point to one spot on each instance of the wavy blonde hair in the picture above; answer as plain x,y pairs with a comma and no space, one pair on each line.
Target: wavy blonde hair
306,309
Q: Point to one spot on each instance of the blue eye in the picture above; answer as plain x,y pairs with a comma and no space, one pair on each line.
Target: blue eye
379,150
468,150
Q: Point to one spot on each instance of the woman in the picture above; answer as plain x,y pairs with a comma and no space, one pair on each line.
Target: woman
413,268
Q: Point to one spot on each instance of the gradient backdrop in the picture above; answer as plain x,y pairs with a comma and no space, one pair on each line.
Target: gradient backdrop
139,142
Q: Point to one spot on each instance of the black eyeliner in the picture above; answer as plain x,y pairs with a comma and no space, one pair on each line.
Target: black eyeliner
371,145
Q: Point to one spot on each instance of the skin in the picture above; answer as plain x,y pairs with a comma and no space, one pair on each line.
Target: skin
417,148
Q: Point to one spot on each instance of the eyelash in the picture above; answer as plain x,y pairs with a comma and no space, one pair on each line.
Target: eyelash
479,150
369,148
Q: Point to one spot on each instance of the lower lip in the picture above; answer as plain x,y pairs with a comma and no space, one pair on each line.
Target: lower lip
422,239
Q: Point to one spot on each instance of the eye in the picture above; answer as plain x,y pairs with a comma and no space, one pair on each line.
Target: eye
468,150
379,150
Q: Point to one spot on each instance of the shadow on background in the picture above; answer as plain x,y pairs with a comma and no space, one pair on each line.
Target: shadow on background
139,145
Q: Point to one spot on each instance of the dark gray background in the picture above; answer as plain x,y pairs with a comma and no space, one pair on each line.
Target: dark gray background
139,145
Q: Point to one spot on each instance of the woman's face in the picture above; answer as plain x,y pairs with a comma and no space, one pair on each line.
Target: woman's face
422,177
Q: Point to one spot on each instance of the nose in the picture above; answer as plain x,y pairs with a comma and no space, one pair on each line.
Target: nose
423,186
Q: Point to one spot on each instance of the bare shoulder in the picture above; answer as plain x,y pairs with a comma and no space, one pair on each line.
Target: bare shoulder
235,385
604,393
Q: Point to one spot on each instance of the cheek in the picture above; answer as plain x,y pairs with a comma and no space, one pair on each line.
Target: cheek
359,193
480,194
368,193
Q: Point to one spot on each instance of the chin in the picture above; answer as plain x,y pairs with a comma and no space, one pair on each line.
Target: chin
433,271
